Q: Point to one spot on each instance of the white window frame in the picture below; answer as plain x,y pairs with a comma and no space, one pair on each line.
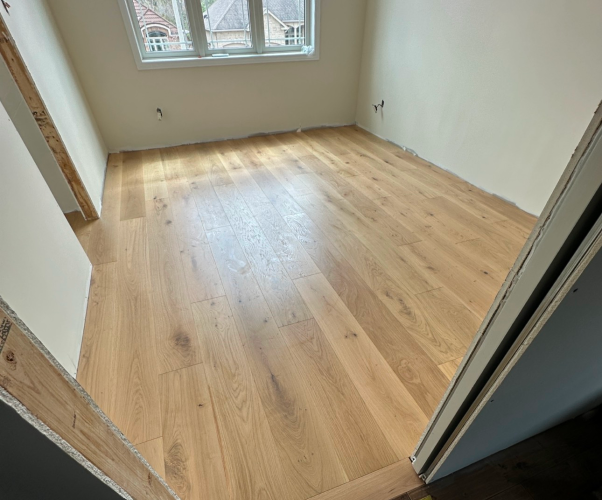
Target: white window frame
201,55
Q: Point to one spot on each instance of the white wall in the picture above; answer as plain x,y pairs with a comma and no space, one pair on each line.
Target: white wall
498,92
40,44
44,272
16,107
201,104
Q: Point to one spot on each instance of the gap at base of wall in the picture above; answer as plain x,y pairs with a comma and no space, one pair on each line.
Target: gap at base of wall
233,138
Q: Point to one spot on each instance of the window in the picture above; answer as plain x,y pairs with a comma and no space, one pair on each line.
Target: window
156,40
167,33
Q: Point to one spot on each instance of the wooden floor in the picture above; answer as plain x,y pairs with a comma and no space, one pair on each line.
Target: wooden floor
272,318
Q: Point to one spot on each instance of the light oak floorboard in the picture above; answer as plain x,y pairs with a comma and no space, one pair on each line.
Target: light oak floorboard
80,227
305,448
281,295
386,250
450,368
199,173
202,278
397,413
313,291
176,343
360,444
99,354
368,209
413,367
104,232
132,186
253,469
136,394
154,177
194,464
429,325
152,451
385,484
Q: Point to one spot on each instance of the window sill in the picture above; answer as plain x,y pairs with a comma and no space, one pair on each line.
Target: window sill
190,62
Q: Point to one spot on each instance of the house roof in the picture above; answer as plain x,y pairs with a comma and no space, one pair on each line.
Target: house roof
147,16
233,14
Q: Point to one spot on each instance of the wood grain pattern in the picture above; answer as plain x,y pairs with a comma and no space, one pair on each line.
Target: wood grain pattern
397,413
364,205
317,289
134,407
18,69
193,456
277,288
361,446
98,354
286,246
274,191
450,368
386,251
154,176
412,366
176,344
303,444
307,452
132,186
210,209
429,325
80,227
57,401
202,279
387,483
104,233
152,451
249,452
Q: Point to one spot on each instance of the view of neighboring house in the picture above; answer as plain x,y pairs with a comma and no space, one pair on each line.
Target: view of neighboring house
159,33
227,25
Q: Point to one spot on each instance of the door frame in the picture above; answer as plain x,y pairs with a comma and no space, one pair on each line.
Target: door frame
33,383
18,69
563,226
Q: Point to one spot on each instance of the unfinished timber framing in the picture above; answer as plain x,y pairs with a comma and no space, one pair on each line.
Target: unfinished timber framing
18,69
34,384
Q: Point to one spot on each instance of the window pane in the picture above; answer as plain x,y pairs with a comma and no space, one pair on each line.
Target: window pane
164,25
227,24
284,22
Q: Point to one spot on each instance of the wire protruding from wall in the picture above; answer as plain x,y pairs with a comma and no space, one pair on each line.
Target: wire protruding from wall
379,105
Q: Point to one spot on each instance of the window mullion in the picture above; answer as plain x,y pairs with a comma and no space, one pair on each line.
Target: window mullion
197,26
257,34
309,22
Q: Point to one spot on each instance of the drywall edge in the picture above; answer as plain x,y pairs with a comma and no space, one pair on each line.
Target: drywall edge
53,436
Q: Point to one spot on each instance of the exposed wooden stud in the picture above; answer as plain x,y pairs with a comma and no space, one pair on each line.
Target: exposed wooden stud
29,376
18,69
